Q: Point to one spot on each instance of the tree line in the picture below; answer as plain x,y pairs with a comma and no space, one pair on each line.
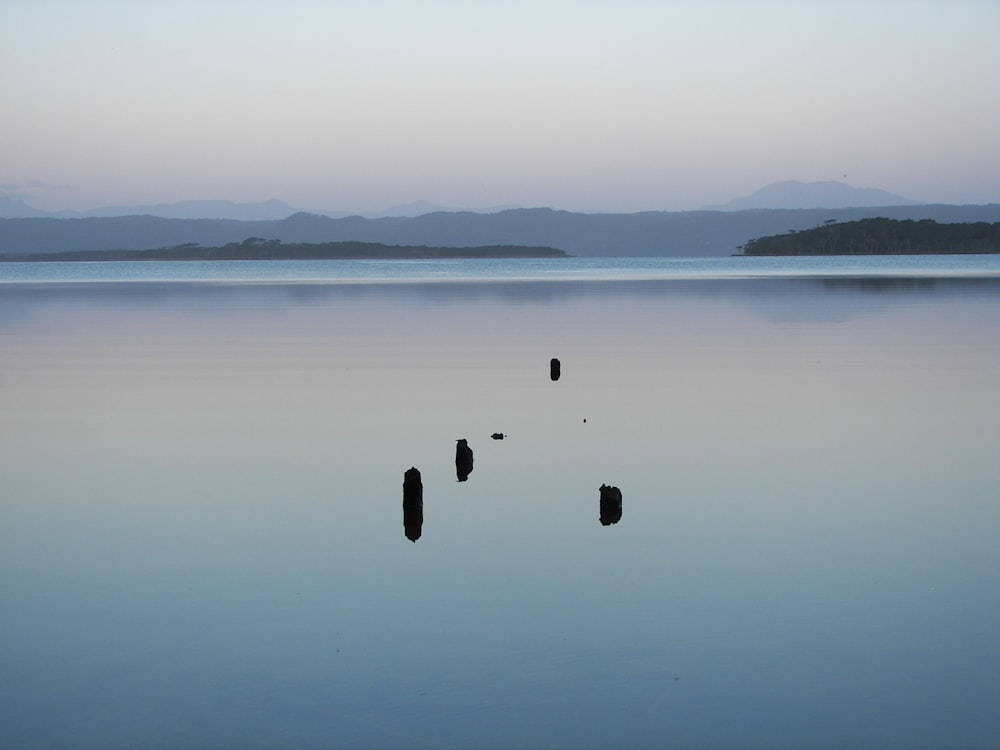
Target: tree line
881,236
256,248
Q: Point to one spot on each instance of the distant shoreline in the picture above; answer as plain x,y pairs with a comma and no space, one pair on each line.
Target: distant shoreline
882,237
258,249
681,234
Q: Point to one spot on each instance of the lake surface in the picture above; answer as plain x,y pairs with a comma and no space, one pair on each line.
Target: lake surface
202,537
499,269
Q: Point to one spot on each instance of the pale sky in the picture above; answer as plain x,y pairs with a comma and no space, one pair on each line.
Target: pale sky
620,105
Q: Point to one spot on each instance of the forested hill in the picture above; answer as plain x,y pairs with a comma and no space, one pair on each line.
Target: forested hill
258,249
882,237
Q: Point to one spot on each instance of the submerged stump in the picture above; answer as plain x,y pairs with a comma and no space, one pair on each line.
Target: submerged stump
611,505
463,459
413,504
554,369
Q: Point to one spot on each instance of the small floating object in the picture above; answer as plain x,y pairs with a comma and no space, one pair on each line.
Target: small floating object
554,369
497,436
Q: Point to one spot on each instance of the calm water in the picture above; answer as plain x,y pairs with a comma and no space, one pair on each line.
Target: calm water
550,269
201,522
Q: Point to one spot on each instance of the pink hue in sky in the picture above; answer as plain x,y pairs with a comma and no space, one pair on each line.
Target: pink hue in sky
620,106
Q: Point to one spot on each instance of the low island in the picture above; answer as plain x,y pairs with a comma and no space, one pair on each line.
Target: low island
255,248
882,237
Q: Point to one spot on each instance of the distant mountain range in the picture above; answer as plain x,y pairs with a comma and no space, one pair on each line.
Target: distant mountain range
721,230
794,194
14,207
650,233
789,194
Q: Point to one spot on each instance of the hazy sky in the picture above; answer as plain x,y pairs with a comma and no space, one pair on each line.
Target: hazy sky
620,105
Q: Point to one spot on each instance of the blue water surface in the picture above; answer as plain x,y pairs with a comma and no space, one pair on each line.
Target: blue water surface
494,269
203,543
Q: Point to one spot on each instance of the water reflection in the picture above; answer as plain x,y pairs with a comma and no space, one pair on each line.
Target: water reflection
789,298
611,505
881,284
155,573
413,504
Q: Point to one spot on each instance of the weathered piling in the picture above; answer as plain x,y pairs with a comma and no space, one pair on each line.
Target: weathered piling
413,504
611,505
463,459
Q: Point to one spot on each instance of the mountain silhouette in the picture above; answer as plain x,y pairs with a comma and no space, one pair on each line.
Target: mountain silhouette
795,194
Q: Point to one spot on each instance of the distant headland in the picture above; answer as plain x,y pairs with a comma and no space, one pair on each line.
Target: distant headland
882,237
684,234
255,248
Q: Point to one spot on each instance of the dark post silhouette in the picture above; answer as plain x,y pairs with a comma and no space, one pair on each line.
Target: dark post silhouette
463,460
554,368
413,504
611,505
